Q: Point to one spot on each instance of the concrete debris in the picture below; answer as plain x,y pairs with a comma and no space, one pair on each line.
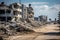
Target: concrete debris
34,23
15,19
13,28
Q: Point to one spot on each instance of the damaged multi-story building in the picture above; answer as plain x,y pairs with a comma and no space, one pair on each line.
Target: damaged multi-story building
12,12
30,12
5,12
15,12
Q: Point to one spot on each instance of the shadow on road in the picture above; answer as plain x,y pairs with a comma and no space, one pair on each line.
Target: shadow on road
52,33
52,39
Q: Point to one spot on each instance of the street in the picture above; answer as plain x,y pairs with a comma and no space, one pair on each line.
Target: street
46,32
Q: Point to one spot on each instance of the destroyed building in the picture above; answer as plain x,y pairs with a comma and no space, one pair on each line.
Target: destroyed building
20,18
30,12
24,12
16,11
10,13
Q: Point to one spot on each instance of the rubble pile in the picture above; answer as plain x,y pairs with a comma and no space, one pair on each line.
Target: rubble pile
34,23
13,28
15,18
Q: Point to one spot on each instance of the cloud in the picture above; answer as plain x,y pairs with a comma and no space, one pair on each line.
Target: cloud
47,8
56,7
35,3
44,8
38,3
50,11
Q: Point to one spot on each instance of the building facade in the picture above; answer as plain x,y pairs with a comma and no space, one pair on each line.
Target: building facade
5,12
43,18
12,12
30,12
24,12
15,12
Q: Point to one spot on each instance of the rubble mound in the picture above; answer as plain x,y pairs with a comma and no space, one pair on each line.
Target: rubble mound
11,29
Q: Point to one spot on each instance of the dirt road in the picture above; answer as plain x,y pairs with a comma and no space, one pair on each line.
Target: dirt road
46,32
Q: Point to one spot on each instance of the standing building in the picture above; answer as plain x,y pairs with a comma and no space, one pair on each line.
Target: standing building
43,18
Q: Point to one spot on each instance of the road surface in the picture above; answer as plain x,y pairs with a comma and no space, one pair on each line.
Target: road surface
46,32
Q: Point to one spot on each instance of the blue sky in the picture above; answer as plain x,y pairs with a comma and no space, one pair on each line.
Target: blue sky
49,8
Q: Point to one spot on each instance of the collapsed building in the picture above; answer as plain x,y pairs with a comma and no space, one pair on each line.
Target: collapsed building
16,13
17,17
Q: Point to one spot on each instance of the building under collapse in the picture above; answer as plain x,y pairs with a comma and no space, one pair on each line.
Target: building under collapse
15,12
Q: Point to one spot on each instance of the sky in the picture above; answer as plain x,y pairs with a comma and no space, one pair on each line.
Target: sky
49,8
